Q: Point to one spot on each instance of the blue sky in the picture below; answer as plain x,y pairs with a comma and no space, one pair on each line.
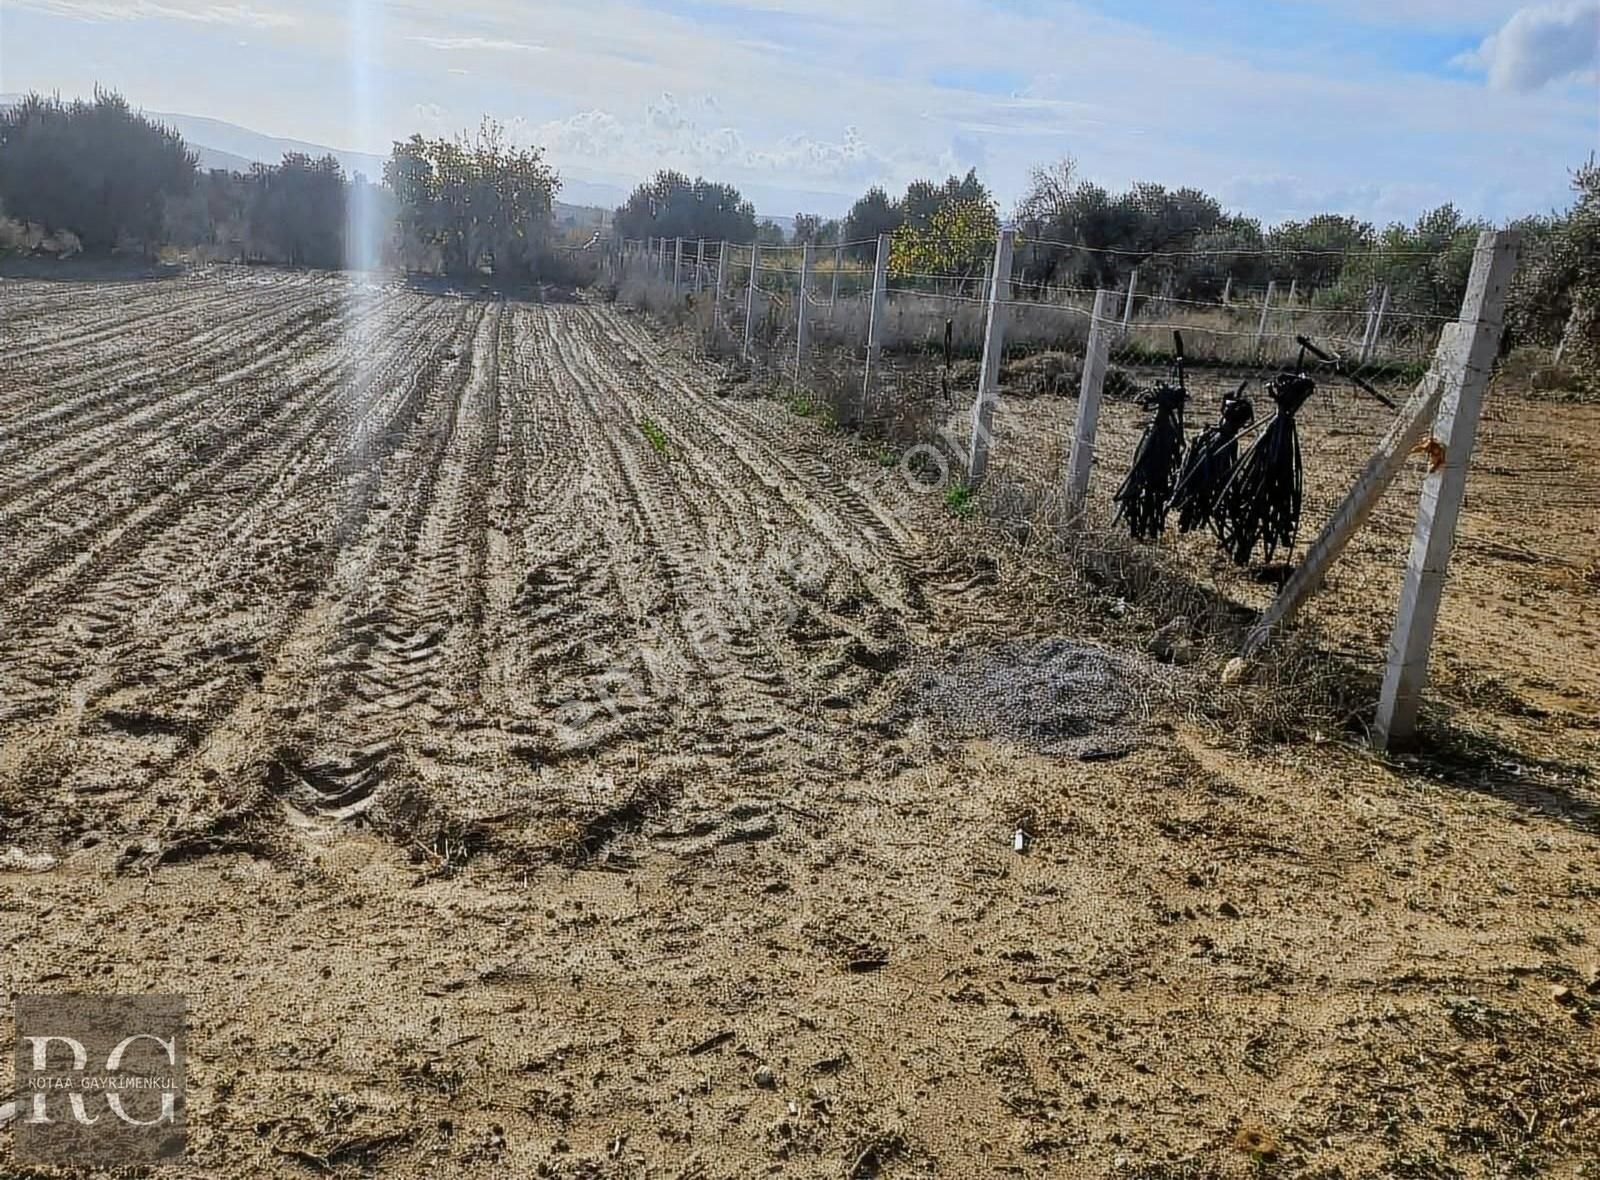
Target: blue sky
1374,107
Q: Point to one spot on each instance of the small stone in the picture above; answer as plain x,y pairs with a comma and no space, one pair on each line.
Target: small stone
1563,996
1228,910
1235,670
1165,642
18,861
765,1079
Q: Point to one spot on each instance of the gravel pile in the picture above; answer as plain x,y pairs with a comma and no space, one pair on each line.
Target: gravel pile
1054,695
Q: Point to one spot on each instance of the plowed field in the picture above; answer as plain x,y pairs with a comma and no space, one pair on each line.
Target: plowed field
528,759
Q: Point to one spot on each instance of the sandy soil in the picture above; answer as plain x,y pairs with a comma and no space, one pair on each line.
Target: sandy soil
512,747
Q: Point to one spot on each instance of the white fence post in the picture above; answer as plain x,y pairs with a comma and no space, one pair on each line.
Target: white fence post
677,268
700,267
750,301
722,286
1294,286
1266,308
1127,307
1227,291
1456,429
1375,326
994,346
880,286
1096,356
801,318
838,263
1366,332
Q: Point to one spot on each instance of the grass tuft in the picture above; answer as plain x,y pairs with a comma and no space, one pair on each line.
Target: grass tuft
655,436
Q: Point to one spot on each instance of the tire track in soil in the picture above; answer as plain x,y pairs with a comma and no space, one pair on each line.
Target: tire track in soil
74,452
49,646
355,678
460,583
68,402
203,296
847,635
76,554
195,655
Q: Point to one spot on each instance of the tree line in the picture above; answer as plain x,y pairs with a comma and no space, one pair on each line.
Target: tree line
112,179
109,177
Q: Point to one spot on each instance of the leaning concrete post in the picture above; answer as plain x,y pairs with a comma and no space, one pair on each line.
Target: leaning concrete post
1375,325
994,346
750,301
1096,356
722,287
1227,291
880,289
1266,309
1127,308
1456,429
801,324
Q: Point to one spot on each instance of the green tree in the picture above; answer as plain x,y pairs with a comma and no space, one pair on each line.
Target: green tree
298,211
872,215
958,240
1556,297
672,206
97,169
482,203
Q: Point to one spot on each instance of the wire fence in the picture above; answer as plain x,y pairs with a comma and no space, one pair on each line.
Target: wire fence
899,356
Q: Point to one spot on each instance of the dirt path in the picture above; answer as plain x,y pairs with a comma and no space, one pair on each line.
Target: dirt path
503,741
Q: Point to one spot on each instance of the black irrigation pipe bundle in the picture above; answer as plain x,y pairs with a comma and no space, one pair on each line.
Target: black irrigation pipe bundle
1261,503
1211,461
1145,495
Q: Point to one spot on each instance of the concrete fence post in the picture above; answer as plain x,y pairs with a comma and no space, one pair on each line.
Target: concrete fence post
880,292
1266,310
1096,356
677,268
1456,429
1227,291
994,346
1127,307
661,264
801,316
700,266
838,264
750,299
1375,324
1294,286
722,287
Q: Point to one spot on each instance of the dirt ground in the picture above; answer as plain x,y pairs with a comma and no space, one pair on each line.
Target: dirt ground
530,757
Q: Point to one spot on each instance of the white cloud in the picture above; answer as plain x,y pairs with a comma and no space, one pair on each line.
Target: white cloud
1539,45
477,44
670,134
241,15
